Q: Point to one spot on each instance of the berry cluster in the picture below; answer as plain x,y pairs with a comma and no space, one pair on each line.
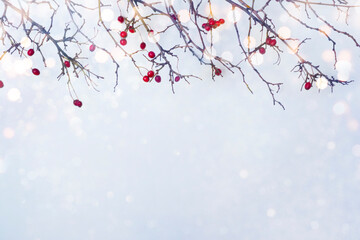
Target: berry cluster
269,41
212,24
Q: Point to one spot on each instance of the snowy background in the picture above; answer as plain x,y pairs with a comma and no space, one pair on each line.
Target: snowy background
210,162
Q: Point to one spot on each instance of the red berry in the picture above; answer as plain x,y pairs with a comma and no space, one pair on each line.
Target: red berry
158,78
123,42
177,78
2,84
35,71
77,103
121,19
131,29
212,21
67,64
218,72
123,34
308,85
151,54
222,21
218,23
207,27
262,50
92,48
150,74
203,25
30,52
273,42
142,45
268,40
146,78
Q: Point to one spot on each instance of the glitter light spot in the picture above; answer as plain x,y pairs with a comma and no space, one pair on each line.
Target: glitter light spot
353,125
129,199
284,32
343,66
249,42
27,63
271,212
8,133
107,15
328,56
184,15
340,108
234,15
326,29
14,95
20,67
331,145
118,54
101,56
356,150
322,83
257,58
25,42
154,37
243,173
294,45
214,36
228,56
116,25
110,195
50,62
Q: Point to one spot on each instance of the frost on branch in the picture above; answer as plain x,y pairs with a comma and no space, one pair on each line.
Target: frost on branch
158,36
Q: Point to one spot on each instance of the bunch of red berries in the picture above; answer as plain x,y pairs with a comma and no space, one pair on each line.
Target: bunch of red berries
270,41
123,34
212,24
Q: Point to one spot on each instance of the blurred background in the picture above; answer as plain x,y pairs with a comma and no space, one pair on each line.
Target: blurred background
211,161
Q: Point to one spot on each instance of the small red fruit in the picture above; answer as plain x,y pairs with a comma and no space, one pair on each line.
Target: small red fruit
308,85
212,21
151,54
203,25
218,23
262,50
123,34
30,52
131,29
207,27
92,48
158,78
77,103
67,63
218,72
177,78
150,74
36,71
222,21
2,84
146,79
121,19
273,42
142,45
268,40
123,42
